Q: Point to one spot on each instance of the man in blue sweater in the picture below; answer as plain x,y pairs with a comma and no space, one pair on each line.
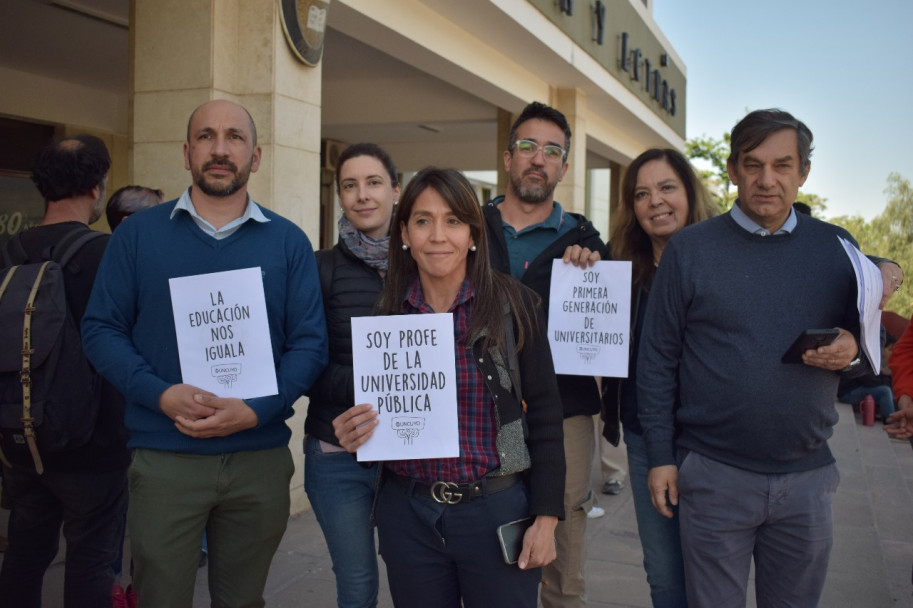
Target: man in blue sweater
202,461
735,437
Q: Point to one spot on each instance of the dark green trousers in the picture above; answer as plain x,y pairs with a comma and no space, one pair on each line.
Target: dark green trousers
240,499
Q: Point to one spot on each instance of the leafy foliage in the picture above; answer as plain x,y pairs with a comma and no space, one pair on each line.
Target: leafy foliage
712,171
889,235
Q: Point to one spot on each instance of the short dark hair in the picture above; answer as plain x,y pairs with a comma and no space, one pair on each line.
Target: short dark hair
372,150
71,167
751,131
540,111
128,200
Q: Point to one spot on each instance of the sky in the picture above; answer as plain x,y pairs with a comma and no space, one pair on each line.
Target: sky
843,68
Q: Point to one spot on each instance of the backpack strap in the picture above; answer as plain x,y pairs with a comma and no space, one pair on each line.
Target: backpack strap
28,422
14,253
512,362
70,245
62,252
326,267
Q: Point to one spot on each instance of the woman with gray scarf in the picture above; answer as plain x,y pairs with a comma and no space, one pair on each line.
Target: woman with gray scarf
341,490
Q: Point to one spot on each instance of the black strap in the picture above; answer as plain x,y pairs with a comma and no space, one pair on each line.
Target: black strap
61,252
326,266
14,253
511,345
70,245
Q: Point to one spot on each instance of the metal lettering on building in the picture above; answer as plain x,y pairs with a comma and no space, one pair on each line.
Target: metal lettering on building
642,70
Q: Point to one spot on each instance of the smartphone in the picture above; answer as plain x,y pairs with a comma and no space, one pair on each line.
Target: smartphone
808,340
510,535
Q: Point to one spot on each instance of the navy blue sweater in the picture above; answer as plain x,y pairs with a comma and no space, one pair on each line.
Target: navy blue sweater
128,329
724,307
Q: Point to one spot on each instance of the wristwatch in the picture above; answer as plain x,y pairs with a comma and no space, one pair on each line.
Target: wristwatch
854,363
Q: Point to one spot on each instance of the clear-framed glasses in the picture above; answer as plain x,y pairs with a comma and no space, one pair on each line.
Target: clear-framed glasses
527,148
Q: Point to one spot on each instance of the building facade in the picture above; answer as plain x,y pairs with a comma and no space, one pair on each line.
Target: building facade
432,81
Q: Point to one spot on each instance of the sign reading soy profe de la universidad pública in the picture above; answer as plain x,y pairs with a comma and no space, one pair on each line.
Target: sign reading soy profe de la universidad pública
589,318
405,367
223,333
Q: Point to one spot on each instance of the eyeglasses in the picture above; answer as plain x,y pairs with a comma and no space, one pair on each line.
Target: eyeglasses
528,149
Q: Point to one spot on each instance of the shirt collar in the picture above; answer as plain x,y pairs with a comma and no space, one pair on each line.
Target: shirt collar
554,220
415,298
251,212
753,227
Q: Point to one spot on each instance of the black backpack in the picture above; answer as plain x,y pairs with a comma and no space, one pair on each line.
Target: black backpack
49,392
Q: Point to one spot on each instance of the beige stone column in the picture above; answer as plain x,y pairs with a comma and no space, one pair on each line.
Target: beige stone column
571,191
505,120
614,192
187,52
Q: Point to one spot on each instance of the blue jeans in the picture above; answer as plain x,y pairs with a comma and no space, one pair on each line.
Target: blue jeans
90,506
883,396
659,536
341,492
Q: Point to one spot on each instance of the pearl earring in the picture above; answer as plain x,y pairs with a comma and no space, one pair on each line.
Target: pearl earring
473,248
405,247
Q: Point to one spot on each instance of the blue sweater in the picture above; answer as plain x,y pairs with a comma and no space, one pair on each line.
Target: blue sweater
128,329
724,307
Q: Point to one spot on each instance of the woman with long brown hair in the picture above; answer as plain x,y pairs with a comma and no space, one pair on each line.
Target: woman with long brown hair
511,462
661,194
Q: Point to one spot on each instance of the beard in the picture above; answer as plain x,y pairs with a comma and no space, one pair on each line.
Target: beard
532,192
218,189
99,207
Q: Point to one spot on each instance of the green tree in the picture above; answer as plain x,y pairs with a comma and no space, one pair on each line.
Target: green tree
714,153
889,235
814,201
711,168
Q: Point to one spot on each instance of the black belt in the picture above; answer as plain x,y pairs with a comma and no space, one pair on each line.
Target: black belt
449,493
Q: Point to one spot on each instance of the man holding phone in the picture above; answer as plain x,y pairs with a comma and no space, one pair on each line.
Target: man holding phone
737,439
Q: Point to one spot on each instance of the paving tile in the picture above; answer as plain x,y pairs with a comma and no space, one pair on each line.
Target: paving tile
870,564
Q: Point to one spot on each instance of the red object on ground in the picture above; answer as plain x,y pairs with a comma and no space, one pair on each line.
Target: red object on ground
867,407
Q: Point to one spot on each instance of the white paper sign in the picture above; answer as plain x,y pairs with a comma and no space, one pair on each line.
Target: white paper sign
223,333
870,288
405,366
589,319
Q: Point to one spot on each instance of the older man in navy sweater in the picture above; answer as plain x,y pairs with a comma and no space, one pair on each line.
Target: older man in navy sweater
736,438
201,461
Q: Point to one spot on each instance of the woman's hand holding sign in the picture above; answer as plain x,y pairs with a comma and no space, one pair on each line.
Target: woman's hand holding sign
355,426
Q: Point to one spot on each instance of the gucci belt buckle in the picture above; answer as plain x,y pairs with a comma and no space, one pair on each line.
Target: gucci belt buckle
443,492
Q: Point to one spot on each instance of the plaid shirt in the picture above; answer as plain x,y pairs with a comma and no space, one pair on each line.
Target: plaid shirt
475,409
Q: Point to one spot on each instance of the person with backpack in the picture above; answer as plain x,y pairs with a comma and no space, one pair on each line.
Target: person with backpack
62,436
340,489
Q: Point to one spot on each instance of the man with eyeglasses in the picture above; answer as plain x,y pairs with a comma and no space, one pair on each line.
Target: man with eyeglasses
528,229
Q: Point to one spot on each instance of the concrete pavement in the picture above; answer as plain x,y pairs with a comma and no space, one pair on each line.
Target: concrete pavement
870,564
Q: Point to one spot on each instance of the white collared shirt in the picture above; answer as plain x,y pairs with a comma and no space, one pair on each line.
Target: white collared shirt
753,227
251,212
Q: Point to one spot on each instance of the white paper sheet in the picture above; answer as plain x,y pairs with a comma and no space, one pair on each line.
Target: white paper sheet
223,333
589,318
870,287
405,366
